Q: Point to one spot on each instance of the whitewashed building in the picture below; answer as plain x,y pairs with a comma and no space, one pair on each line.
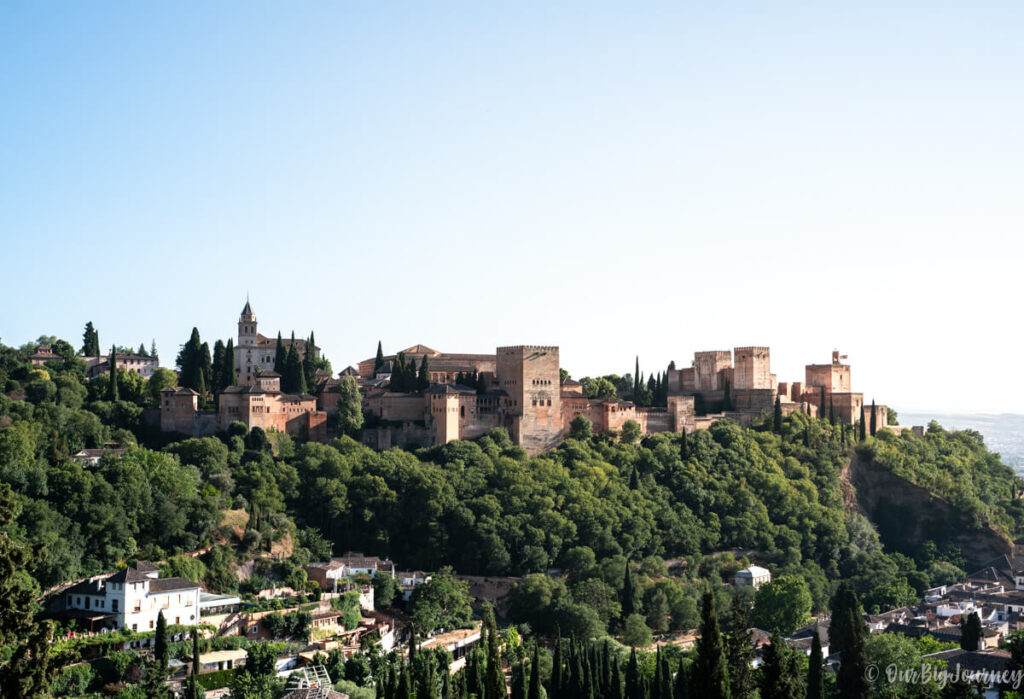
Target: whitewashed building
754,576
133,598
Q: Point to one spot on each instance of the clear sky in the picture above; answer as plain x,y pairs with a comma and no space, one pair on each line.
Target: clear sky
614,178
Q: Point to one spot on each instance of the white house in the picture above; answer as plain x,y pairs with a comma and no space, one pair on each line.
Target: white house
133,598
754,576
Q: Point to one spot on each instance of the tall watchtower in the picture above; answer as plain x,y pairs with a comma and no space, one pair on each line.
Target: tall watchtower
247,327
529,376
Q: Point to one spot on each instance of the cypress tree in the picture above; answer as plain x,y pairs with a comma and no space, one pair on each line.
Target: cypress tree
636,379
160,650
112,390
727,399
821,408
777,416
666,680
90,341
152,349
494,680
970,631
616,688
201,390
423,380
206,365
280,356
634,687
815,680
142,349
534,691
195,652
708,678
739,653
410,379
862,428
681,688
851,681
405,684
656,694
628,593
229,376
378,361
556,668
218,366
309,362
446,686
874,418
779,679
831,413
518,684
634,479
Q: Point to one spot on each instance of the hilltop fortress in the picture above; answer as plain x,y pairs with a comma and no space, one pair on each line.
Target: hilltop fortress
518,388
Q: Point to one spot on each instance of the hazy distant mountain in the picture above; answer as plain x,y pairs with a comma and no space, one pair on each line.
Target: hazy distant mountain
1004,433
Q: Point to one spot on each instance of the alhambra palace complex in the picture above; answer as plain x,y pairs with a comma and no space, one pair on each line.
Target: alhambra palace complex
519,388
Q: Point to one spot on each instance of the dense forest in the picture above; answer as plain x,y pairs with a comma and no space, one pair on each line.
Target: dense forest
614,513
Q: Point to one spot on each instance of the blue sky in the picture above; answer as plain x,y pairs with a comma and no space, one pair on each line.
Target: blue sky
652,178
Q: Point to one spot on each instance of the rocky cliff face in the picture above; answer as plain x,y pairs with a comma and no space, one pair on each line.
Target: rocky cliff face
907,514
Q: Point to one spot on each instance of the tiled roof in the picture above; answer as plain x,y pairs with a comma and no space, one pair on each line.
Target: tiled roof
128,575
168,584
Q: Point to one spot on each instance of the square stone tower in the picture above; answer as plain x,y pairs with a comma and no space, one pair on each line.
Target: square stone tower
752,368
533,406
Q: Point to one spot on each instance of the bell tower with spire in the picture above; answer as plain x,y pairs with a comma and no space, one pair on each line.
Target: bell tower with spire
247,327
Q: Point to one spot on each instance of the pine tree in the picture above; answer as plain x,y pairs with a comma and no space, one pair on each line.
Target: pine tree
423,380
112,390
815,680
657,612
709,677
280,356
160,650
739,653
874,418
229,377
777,416
628,600
378,361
